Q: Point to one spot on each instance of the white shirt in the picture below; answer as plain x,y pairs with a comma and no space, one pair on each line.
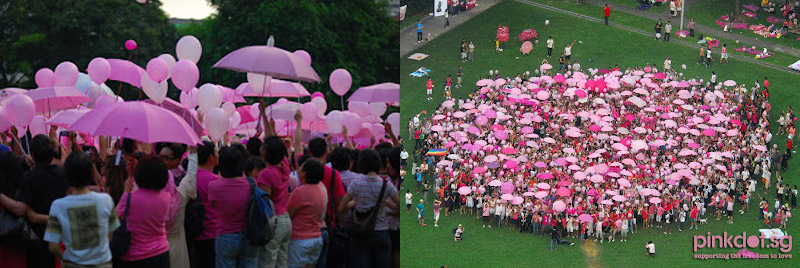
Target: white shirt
404,155
713,78
408,198
708,53
651,248
549,43
567,51
667,64
668,28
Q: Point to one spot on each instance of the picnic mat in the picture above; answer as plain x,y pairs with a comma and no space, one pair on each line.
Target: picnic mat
751,7
769,233
418,56
773,19
644,6
795,65
422,71
750,14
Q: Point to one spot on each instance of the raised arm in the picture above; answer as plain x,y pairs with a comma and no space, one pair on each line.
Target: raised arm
392,136
188,187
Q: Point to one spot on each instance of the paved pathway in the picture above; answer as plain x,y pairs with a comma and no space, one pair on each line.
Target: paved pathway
435,26
713,31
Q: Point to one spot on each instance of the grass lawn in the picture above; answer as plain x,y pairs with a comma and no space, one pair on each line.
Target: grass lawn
646,24
634,4
706,11
431,247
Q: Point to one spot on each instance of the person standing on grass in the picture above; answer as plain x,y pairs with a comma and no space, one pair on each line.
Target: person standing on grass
606,13
429,88
463,50
437,205
497,45
421,212
658,27
692,24
447,83
550,46
708,57
724,53
471,48
561,63
702,54
667,65
409,197
419,31
461,71
446,20
713,79
766,83
568,51
667,30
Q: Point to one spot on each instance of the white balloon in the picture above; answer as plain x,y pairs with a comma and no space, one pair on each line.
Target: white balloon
353,123
209,97
189,48
394,119
229,108
156,91
334,122
322,105
170,61
235,120
216,123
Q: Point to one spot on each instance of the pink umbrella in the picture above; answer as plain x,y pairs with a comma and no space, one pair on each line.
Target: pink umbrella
495,183
507,187
580,93
559,78
729,83
10,91
187,116
544,176
277,88
125,71
464,190
490,158
437,128
51,99
606,202
708,132
229,95
540,164
485,83
559,206
66,118
479,170
624,183
543,186
510,164
528,194
655,200
507,197
384,92
508,150
619,198
269,60
546,66
659,76
136,120
459,114
541,194
585,218
517,200
563,191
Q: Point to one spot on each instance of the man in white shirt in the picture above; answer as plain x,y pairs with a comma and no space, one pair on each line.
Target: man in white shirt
651,249
667,30
576,67
667,64
403,157
713,78
409,197
550,46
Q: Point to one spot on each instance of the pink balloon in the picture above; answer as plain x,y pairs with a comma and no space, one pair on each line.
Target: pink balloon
341,81
66,74
394,120
216,123
359,107
98,70
321,104
303,54
378,130
20,110
130,45
158,69
4,124
189,98
334,122
45,77
185,75
309,111
352,121
377,108
37,125
317,95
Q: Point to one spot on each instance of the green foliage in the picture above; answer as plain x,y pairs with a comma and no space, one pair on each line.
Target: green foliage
417,6
357,35
38,33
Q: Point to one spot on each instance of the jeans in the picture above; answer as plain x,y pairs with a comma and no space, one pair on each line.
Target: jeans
274,253
606,21
691,32
419,36
666,37
446,22
536,228
323,255
549,51
553,244
234,251
374,251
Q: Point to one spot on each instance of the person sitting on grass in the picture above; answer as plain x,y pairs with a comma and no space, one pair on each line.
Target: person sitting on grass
458,233
651,249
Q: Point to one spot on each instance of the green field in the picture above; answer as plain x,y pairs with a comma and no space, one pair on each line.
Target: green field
705,12
604,46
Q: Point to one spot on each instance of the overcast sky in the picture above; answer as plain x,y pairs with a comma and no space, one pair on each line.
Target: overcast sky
187,9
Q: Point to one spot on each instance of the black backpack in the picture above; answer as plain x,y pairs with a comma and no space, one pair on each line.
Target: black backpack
195,216
121,240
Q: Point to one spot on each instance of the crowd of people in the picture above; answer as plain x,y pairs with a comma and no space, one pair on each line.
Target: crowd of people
603,155
134,204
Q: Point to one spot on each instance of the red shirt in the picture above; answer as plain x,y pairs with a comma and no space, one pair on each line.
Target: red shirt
607,11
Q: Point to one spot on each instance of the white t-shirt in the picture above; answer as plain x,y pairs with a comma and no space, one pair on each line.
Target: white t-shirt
408,198
549,43
667,64
404,155
651,248
713,78
82,223
567,51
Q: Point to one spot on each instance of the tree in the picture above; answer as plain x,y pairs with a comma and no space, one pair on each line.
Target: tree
41,33
358,35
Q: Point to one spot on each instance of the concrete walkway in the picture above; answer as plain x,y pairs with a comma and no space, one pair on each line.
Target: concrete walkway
435,26
712,31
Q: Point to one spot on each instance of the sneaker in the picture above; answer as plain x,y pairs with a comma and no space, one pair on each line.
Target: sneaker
601,241
571,244
665,232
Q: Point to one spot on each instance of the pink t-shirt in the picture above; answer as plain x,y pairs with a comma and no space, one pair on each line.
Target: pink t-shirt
309,200
204,177
277,179
230,196
147,222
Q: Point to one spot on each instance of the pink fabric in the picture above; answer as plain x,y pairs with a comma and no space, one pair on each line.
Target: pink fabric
277,179
230,198
204,178
309,202
147,222
740,25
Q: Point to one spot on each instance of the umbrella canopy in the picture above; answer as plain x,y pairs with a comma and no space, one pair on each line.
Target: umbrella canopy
540,194
563,191
187,116
277,88
126,71
57,98
138,121
66,118
585,218
385,92
269,60
464,190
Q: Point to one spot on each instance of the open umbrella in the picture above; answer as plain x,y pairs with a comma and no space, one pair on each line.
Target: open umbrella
138,121
269,60
585,218
66,118
126,71
50,99
655,200
541,194
464,190
384,92
187,116
507,197
563,191
543,186
277,88
495,183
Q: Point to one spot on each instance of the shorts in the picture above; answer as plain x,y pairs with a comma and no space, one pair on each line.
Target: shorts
724,55
730,213
436,216
304,252
567,57
429,91
408,205
420,216
447,88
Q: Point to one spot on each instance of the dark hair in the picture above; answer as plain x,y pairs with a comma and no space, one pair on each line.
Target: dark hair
128,145
151,173
317,147
11,173
314,171
115,178
369,161
254,162
204,152
42,149
302,159
254,146
230,162
78,169
177,150
240,147
393,157
275,150
354,156
340,158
